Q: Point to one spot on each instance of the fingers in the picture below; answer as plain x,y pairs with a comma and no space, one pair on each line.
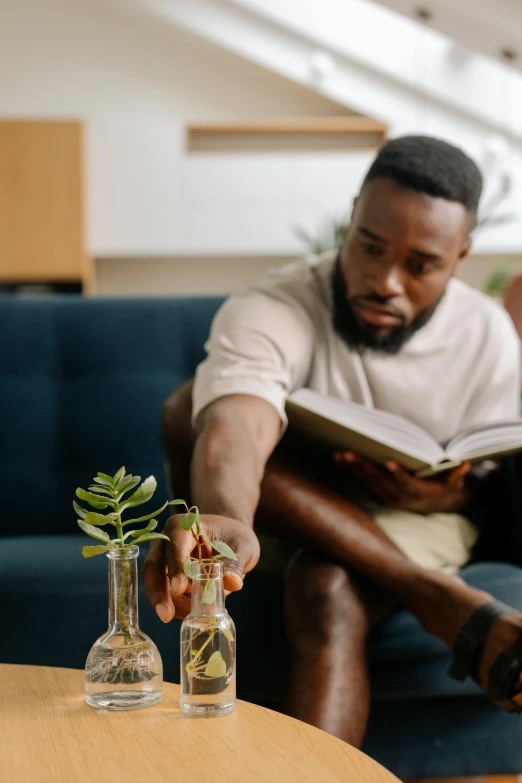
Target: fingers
408,483
377,480
247,551
182,604
455,478
156,583
240,538
176,551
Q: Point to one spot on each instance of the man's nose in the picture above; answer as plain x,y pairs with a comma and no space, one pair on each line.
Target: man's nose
387,282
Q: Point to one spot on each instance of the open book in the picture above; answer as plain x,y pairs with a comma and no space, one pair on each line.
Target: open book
381,436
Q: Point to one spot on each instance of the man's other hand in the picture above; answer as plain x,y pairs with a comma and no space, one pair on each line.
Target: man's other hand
167,585
394,487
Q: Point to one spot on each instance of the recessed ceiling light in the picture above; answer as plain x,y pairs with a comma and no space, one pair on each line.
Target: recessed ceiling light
509,54
423,14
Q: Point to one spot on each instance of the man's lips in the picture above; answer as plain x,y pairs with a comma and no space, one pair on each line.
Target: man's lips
377,315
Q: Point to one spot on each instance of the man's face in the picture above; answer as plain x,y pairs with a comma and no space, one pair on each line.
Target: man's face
400,251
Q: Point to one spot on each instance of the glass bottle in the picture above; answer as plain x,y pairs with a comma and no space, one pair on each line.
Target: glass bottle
208,647
124,669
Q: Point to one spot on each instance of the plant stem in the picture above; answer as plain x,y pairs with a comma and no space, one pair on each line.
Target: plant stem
210,637
119,528
124,582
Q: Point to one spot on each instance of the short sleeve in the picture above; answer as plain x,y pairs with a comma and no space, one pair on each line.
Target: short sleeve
497,396
259,344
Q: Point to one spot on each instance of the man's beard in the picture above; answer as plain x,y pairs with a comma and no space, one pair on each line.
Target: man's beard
365,337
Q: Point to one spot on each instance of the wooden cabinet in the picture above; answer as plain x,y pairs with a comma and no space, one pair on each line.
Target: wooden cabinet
42,204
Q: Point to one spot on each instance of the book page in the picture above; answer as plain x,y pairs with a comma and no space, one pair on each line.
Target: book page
398,436
487,440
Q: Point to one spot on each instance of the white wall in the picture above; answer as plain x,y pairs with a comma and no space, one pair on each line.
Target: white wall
137,85
384,66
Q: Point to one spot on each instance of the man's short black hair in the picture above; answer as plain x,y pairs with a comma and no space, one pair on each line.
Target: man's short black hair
430,166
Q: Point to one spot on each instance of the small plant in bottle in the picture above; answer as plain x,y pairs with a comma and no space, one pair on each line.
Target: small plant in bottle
124,668
208,635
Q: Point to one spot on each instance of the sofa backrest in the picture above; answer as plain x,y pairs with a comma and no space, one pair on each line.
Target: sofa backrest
82,383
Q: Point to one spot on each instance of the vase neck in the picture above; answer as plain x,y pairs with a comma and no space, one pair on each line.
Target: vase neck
208,595
123,593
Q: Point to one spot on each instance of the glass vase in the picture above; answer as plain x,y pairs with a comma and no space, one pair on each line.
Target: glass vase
124,669
208,647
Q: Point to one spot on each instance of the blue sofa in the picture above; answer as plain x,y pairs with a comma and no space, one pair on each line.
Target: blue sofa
82,382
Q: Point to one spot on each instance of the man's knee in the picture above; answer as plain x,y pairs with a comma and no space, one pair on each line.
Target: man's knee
322,595
177,415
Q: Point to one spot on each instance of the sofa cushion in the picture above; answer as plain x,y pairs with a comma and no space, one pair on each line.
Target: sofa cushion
82,386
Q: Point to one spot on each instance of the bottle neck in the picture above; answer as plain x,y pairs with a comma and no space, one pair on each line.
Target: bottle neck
123,593
208,595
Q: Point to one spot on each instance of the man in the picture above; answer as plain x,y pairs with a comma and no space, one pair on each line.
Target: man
387,324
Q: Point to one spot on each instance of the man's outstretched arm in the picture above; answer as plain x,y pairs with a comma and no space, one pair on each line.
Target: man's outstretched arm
235,436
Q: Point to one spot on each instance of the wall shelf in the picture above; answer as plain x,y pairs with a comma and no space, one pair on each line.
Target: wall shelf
307,134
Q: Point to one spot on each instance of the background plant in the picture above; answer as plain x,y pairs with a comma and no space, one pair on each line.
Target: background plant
330,235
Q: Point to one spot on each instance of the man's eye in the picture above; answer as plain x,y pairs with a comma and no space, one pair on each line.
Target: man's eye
420,267
370,249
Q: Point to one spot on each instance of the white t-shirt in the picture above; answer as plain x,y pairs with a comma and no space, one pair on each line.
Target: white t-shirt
460,369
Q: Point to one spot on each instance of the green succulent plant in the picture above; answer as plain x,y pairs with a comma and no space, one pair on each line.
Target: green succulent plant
107,492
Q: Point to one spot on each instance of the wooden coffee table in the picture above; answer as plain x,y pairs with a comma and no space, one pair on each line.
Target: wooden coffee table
49,735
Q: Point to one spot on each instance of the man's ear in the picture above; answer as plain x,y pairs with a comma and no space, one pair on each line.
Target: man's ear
466,247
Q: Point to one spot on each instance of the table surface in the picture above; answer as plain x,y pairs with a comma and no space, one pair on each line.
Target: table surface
50,735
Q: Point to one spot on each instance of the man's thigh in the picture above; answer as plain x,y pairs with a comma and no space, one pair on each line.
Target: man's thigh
442,542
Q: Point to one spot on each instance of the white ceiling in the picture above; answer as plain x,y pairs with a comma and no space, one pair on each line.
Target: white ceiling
486,26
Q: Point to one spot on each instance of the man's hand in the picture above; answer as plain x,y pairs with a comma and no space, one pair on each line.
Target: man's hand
392,486
163,575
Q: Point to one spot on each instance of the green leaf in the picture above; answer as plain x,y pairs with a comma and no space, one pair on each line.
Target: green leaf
194,652
216,666
118,476
92,551
146,517
93,518
105,477
187,520
223,549
209,593
105,482
128,483
95,532
82,512
142,494
188,568
100,490
153,524
150,537
93,500
177,502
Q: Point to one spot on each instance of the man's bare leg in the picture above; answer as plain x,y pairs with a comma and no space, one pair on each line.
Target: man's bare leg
316,517
297,505
328,618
